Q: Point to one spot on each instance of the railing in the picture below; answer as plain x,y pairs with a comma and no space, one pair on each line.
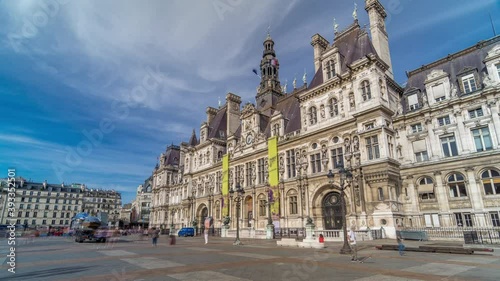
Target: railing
361,235
298,232
329,234
470,235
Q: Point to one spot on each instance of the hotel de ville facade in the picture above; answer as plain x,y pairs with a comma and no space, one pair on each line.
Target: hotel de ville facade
423,155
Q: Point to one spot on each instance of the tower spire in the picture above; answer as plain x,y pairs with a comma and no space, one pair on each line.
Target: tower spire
269,75
380,39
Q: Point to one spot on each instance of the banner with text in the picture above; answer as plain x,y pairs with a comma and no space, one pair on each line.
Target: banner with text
225,185
274,196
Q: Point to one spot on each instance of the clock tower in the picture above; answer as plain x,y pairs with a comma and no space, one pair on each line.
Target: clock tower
269,89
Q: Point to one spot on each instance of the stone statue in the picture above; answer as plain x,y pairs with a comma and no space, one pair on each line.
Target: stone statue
355,12
453,90
309,220
335,26
322,111
487,81
356,144
226,220
347,143
304,78
424,99
295,83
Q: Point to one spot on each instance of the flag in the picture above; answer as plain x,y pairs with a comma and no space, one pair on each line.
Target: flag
274,62
255,71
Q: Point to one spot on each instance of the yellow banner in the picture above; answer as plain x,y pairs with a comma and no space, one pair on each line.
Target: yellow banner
272,145
225,185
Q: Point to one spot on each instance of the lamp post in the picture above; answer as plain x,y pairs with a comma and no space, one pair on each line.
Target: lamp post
270,225
239,196
344,175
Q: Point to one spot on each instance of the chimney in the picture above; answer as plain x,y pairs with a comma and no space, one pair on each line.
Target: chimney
233,103
319,45
211,112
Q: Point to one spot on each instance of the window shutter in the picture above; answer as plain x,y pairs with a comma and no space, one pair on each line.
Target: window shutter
419,146
438,91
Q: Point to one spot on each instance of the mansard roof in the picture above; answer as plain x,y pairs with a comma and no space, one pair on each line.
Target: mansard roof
353,44
454,64
290,109
172,155
218,124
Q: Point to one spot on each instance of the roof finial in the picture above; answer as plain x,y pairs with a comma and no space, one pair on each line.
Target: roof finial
219,102
304,78
335,26
269,32
355,12
295,83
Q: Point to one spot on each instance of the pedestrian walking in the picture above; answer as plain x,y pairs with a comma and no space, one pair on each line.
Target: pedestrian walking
401,246
352,242
155,233
208,224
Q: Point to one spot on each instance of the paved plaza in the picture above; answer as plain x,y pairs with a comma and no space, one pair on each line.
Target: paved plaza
130,259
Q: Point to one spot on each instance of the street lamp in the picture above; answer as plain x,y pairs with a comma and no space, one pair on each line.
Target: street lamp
270,225
344,175
239,196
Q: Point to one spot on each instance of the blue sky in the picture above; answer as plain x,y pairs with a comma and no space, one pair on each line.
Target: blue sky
93,91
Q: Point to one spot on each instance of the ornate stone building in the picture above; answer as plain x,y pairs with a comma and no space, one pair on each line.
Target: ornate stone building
141,205
427,152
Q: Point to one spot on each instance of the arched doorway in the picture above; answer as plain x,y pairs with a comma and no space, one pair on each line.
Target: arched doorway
332,211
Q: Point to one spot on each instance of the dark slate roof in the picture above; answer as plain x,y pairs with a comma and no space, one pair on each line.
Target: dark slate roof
52,187
193,141
317,79
453,64
218,124
353,44
290,108
172,155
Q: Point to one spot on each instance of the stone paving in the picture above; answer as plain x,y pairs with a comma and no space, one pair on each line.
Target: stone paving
133,259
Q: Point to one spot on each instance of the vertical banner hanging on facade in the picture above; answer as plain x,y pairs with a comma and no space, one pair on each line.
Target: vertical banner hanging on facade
225,185
274,197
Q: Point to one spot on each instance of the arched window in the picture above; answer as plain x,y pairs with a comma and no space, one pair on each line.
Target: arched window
426,189
365,90
491,182
456,184
334,107
380,193
313,117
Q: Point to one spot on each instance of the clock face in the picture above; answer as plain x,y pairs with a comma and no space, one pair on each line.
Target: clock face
249,139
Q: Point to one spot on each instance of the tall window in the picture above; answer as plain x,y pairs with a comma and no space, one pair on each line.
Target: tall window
290,163
380,193
365,90
463,219
449,146
491,182
390,146
495,220
337,157
413,102
445,120
316,163
313,117
293,205
276,129
469,83
261,172
475,113
330,69
456,185
334,107
262,207
426,189
372,147
420,150
248,173
482,139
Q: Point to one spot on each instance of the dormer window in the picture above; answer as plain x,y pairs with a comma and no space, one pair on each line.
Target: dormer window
330,69
439,93
469,83
276,129
413,102
365,90
313,117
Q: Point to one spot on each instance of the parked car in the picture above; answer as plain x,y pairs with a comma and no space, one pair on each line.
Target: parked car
186,231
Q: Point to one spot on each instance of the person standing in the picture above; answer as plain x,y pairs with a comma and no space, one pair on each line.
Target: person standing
401,246
208,224
155,234
352,242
